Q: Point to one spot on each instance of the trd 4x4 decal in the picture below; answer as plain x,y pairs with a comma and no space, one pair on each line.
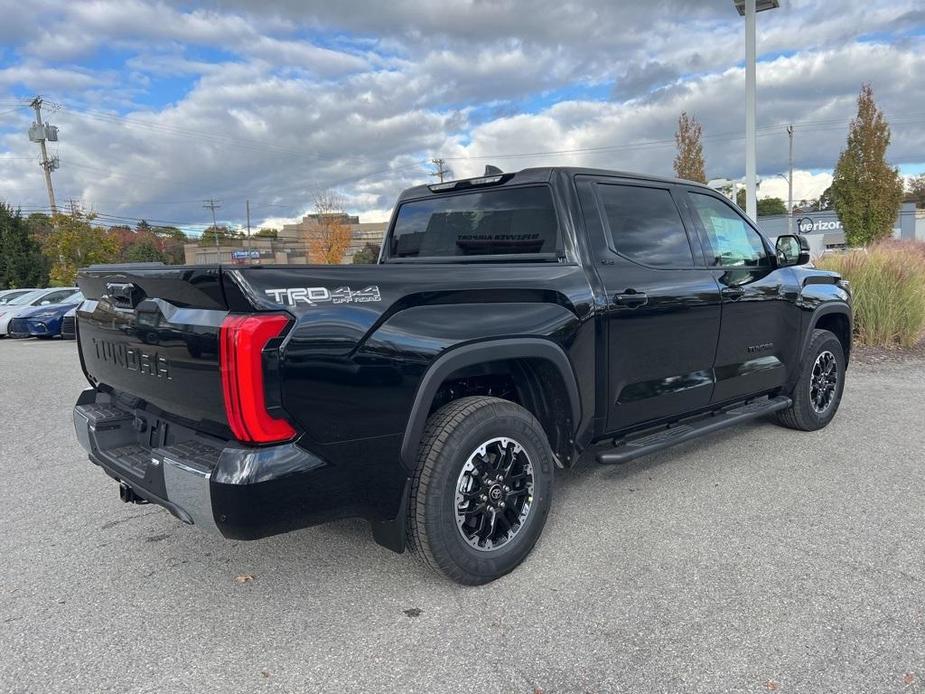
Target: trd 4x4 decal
312,296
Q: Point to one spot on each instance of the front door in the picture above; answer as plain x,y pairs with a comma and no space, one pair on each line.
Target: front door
662,314
758,340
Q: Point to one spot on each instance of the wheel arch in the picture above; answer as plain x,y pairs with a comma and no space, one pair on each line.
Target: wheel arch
534,364
836,318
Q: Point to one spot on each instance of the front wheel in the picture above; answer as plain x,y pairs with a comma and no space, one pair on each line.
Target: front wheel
481,491
819,388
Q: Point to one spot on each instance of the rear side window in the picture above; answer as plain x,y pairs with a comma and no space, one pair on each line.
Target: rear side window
503,221
733,243
645,225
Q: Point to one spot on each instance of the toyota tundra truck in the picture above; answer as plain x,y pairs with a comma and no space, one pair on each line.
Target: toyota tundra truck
515,323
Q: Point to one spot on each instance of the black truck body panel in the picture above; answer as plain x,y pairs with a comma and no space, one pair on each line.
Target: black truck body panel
614,346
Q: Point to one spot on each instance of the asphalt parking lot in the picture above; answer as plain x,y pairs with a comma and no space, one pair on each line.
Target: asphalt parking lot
757,560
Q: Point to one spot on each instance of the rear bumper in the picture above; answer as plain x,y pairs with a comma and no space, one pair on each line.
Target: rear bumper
236,491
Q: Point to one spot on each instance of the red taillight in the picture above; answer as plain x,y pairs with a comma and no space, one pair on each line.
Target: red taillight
241,358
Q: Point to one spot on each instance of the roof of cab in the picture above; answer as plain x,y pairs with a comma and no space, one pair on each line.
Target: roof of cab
542,174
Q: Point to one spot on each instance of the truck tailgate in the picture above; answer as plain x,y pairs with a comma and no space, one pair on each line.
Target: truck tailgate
152,333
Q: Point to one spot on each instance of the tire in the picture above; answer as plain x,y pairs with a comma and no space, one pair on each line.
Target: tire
465,443
811,410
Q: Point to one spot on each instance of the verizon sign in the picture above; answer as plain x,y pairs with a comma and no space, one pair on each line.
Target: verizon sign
807,225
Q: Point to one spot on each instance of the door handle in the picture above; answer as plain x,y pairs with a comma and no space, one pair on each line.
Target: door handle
631,299
733,292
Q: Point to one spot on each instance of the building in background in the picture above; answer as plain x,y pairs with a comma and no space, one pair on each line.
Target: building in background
825,232
291,247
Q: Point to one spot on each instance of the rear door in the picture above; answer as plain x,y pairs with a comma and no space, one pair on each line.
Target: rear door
662,312
758,339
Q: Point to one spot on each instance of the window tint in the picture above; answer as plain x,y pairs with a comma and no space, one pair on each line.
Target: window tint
732,242
491,222
645,225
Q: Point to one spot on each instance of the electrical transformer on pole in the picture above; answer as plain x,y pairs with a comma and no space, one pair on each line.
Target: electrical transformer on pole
40,132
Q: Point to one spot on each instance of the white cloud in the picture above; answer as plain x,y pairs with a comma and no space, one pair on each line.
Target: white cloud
806,186
288,97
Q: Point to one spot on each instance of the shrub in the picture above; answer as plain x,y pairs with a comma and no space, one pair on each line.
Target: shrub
888,285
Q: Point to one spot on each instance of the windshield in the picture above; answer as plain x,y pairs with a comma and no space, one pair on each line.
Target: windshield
10,296
502,221
25,298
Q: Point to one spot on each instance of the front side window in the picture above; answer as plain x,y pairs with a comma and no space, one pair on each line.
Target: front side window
732,242
645,225
502,221
55,297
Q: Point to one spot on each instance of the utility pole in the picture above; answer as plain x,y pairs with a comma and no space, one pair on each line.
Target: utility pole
790,182
441,171
213,205
39,132
247,245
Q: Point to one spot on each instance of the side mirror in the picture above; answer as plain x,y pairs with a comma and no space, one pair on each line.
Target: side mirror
791,250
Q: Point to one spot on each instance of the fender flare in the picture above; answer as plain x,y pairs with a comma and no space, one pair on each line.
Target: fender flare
476,353
811,322
824,310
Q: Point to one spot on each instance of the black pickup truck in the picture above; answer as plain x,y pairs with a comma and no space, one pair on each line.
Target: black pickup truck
515,323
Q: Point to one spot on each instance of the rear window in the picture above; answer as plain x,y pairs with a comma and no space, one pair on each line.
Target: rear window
504,221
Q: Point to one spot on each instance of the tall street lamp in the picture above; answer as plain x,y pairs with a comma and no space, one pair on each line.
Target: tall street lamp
748,9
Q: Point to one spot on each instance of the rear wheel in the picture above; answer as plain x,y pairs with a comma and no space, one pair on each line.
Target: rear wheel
482,489
819,388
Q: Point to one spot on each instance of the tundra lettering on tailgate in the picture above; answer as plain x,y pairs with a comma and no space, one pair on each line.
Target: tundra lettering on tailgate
145,363
312,296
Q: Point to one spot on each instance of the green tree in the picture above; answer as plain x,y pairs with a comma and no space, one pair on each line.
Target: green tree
76,243
826,202
367,255
22,263
866,190
766,206
145,251
223,234
915,191
266,233
688,162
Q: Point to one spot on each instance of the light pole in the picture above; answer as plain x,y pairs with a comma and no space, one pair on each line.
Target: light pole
789,180
748,9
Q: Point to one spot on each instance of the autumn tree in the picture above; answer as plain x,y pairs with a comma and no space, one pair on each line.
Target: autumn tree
866,190
688,163
329,236
76,243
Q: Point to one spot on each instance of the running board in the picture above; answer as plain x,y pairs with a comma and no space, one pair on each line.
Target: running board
679,433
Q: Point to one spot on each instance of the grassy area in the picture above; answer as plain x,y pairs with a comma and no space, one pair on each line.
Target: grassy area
888,283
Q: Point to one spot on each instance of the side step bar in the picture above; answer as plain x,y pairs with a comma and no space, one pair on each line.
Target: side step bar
650,443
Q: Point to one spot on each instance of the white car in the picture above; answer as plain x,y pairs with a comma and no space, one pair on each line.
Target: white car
38,297
7,295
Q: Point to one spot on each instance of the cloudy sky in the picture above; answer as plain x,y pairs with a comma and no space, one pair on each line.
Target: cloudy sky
163,104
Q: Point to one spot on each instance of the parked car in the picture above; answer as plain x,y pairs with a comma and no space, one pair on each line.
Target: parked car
38,297
7,295
514,324
69,325
43,321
